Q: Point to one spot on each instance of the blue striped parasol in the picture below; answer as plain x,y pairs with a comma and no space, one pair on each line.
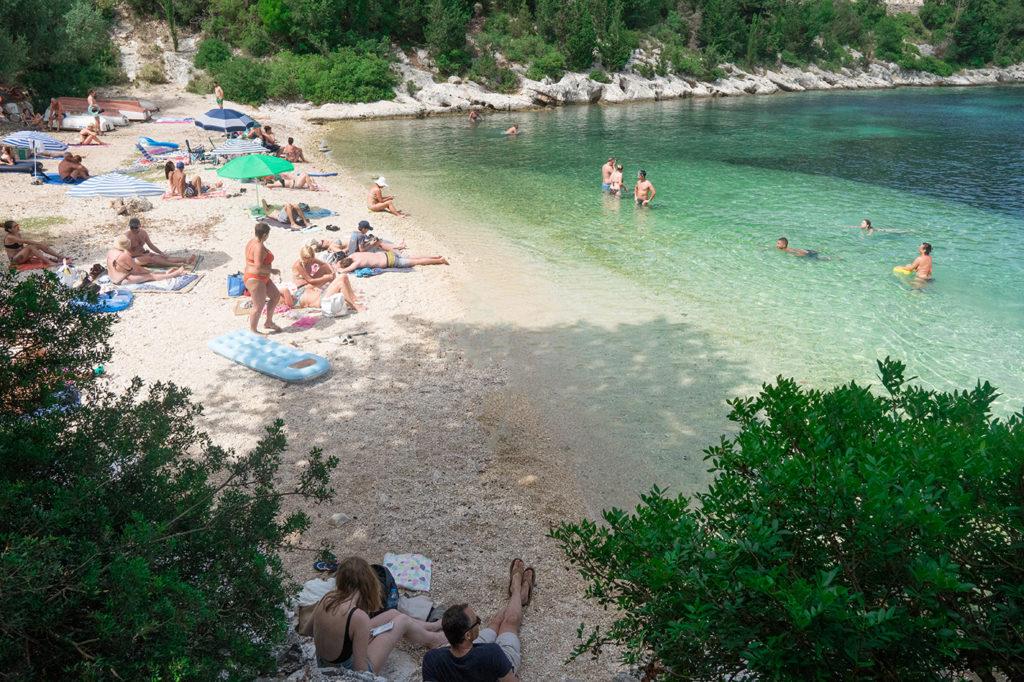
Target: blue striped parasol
115,185
36,141
238,148
224,121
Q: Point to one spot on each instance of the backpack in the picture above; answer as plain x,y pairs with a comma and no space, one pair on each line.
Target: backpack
389,588
236,285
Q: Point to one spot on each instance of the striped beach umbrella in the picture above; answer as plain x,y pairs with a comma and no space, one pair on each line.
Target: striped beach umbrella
224,121
238,148
36,141
115,185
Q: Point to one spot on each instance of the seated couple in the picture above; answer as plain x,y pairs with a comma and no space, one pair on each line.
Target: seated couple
461,651
313,280
127,260
70,168
180,187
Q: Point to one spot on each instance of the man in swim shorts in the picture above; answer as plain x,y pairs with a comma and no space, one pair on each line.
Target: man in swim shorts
386,259
922,265
218,93
606,174
138,240
782,244
644,191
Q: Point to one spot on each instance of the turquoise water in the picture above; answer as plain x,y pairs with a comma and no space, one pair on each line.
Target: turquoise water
943,165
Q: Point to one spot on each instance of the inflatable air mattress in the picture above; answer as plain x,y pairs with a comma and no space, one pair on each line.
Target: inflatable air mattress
269,357
111,302
22,167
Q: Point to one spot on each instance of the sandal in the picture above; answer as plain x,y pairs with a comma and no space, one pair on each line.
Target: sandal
512,573
530,585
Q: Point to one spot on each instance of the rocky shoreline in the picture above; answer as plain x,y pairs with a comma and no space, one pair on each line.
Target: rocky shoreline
419,95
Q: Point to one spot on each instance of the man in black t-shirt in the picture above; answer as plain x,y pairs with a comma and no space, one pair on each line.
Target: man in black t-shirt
489,655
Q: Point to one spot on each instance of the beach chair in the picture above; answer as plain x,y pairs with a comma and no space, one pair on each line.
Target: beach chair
197,154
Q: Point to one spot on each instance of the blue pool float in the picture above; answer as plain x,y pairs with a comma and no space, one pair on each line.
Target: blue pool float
150,143
269,357
111,302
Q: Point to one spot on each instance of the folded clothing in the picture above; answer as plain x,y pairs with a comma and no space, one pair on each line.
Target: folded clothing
367,272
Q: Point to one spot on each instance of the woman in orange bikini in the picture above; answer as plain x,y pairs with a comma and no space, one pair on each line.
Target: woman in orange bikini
257,279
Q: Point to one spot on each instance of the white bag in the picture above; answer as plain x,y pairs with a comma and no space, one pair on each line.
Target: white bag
334,306
69,276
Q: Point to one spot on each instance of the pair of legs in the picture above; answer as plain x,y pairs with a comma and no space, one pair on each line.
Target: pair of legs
198,188
386,206
38,253
264,293
159,261
86,136
299,181
421,260
78,174
139,274
427,635
520,592
312,296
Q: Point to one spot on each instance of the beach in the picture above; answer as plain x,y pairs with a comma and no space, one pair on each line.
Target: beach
438,454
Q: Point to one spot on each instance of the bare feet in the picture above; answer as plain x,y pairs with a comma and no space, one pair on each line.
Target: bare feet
357,307
516,567
191,260
177,271
271,326
529,580
444,261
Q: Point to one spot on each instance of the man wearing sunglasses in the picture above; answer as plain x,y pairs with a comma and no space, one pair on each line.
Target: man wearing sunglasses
492,654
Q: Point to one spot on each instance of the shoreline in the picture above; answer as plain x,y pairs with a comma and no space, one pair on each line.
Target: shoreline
456,96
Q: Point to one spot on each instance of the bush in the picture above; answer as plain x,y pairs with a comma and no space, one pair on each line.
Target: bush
210,53
244,80
152,72
928,64
134,548
599,76
486,72
445,30
581,40
200,84
341,76
452,62
847,535
550,64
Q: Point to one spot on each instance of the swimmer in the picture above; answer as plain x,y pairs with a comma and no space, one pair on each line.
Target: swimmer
606,174
514,130
782,244
474,115
644,191
922,265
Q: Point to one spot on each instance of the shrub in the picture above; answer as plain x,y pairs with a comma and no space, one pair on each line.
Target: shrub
550,64
599,76
153,72
452,62
210,53
847,535
200,84
243,80
644,69
928,64
411,88
486,72
341,76
445,30
134,548
581,40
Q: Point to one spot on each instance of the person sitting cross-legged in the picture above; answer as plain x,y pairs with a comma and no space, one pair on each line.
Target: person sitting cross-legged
492,654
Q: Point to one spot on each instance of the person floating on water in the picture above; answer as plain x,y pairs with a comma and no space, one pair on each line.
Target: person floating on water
864,225
615,182
514,130
782,244
606,174
922,265
644,191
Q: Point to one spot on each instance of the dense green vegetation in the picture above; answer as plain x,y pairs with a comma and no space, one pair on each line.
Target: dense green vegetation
133,547
848,535
339,48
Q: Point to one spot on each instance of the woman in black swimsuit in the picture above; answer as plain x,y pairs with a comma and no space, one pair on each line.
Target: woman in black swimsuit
342,622
21,250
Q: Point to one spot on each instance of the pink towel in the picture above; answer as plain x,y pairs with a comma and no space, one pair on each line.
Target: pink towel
306,322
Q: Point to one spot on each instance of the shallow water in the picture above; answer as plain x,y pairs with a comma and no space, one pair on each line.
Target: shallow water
646,320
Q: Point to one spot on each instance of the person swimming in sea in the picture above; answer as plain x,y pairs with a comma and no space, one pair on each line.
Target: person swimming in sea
513,129
782,244
922,265
866,226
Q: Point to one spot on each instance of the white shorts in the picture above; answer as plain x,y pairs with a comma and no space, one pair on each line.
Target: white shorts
508,641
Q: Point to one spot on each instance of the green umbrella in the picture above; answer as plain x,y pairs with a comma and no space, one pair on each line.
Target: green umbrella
255,166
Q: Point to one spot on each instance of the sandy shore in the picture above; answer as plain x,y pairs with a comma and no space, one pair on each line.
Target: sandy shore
438,456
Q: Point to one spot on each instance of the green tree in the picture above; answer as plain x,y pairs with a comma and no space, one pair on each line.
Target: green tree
581,39
446,25
977,32
133,546
550,19
847,535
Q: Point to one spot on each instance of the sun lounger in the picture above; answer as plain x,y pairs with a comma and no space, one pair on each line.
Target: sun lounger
269,357
22,167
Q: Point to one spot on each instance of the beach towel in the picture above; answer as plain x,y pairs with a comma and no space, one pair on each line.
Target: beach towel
54,179
175,285
269,357
31,265
305,322
411,571
321,175
110,302
212,194
367,272
175,119
274,222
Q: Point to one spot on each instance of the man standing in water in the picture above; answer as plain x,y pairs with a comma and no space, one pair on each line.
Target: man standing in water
644,191
922,265
606,174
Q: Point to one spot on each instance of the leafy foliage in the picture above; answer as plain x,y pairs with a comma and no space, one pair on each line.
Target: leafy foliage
134,547
485,70
210,53
847,535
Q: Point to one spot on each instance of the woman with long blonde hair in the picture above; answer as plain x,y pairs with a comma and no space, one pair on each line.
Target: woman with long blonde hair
342,622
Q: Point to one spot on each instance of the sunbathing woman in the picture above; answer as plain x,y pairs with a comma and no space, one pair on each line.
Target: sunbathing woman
122,268
8,157
89,135
342,622
292,181
314,280
21,250
264,292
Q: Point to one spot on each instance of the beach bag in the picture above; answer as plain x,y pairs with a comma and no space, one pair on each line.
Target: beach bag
388,586
236,285
334,306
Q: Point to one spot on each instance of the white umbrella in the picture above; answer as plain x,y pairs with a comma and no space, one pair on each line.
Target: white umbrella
36,141
238,148
115,185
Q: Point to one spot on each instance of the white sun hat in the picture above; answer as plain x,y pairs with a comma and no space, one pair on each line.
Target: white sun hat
380,182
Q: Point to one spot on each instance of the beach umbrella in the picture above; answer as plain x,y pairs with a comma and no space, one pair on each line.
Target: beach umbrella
254,166
36,141
239,148
115,185
224,121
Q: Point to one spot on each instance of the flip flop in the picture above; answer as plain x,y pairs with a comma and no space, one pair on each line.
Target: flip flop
511,573
329,566
530,585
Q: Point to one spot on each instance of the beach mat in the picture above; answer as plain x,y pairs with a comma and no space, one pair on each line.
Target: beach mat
31,265
274,222
314,213
269,357
212,194
177,285
321,175
54,179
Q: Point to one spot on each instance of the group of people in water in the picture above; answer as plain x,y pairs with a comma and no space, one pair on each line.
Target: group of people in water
353,630
611,182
